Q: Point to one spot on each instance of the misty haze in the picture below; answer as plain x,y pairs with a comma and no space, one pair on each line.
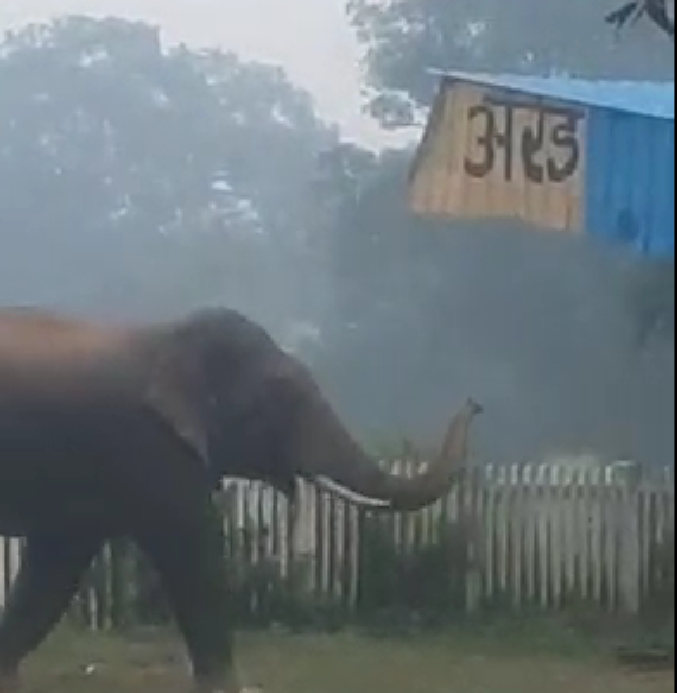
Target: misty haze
142,180
160,157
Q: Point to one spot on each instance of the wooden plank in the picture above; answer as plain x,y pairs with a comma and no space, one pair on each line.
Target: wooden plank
474,575
503,532
630,551
490,537
535,534
10,559
544,536
355,519
465,536
569,480
583,526
647,534
518,536
596,534
556,534
531,536
324,540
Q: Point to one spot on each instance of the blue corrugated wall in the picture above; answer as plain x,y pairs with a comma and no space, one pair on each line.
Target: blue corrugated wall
630,180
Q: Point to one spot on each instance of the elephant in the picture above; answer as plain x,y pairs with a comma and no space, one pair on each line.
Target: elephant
125,429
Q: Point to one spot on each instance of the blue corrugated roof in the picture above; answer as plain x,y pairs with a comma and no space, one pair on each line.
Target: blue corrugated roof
654,99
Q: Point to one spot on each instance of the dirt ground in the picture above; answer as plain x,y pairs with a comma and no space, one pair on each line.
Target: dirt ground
329,664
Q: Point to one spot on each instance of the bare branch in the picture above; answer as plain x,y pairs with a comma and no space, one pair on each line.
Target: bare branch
654,10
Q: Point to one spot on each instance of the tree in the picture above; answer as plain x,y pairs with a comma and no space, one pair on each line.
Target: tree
403,38
141,180
539,327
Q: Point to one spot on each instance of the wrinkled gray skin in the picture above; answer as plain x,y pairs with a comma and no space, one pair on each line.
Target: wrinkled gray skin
126,430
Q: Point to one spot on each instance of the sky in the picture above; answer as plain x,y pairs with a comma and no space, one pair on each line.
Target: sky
314,42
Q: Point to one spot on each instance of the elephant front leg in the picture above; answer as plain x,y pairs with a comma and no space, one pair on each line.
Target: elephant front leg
51,569
191,565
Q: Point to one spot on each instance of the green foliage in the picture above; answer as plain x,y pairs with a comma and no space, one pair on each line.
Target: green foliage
401,591
403,38
157,174
659,612
391,596
420,313
424,585
651,300
423,312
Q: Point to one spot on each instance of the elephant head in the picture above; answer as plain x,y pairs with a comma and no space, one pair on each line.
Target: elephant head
251,410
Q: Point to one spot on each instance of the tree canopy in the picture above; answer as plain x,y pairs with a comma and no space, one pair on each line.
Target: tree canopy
115,151
142,181
402,39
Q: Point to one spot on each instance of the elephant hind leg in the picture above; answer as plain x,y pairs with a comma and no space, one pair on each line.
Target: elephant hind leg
191,565
52,566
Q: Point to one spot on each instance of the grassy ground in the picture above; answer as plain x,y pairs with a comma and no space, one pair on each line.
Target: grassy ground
335,664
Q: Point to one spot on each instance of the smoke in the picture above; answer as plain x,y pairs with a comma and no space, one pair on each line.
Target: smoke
538,328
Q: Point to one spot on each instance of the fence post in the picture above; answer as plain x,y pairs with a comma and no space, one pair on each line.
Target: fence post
10,557
474,489
303,539
630,578
534,536
121,583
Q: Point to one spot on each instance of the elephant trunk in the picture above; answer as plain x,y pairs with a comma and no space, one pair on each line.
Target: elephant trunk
344,469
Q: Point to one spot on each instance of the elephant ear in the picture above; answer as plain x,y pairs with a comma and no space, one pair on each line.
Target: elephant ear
176,392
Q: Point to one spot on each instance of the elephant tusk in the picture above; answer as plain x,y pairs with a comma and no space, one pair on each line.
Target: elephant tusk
349,495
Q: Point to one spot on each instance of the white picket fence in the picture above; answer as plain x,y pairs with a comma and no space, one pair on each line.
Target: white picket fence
534,536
